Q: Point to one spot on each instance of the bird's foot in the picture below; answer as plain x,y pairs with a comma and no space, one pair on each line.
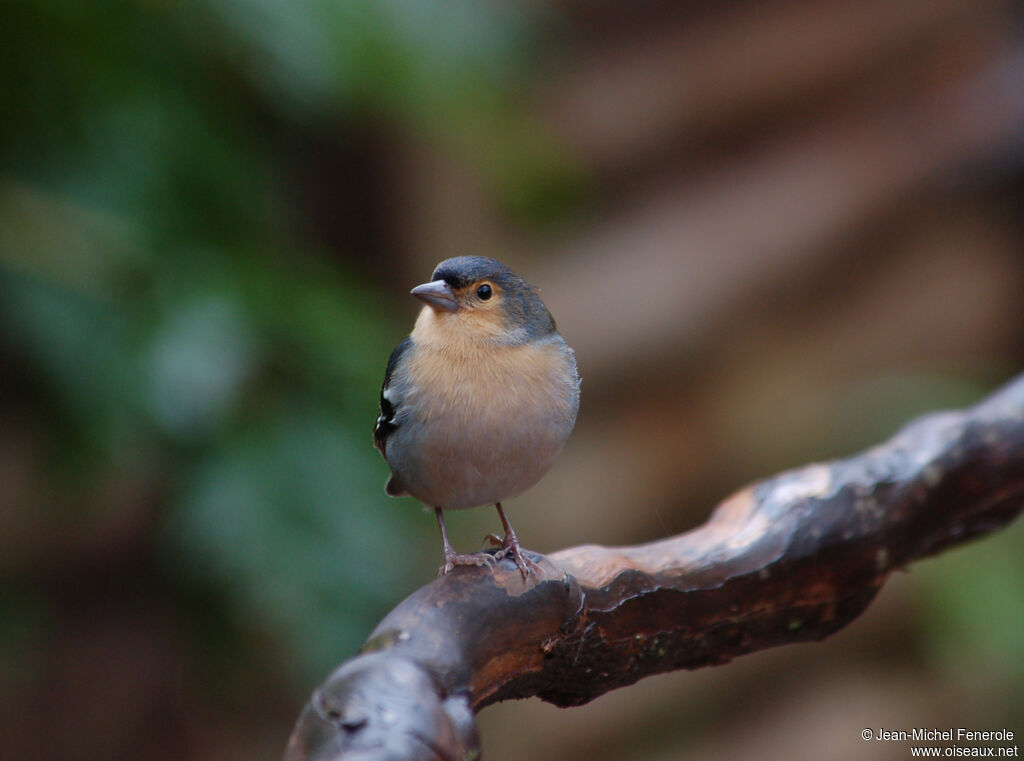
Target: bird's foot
493,540
510,548
453,559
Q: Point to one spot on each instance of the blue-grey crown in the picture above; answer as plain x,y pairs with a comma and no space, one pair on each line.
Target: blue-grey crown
523,306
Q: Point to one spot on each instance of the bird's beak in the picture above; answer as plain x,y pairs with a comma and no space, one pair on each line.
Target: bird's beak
437,294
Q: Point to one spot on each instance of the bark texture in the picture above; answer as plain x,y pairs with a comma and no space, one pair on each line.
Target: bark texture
790,559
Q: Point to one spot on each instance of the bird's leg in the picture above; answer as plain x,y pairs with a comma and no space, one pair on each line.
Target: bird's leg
510,546
451,557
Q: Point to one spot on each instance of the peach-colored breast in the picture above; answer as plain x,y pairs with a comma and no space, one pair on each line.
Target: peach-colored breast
482,426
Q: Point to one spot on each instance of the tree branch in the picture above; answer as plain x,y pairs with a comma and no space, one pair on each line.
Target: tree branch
793,558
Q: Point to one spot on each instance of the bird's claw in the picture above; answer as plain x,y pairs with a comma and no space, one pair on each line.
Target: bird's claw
454,559
525,565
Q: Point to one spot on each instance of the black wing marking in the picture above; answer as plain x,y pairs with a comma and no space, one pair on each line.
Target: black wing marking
386,422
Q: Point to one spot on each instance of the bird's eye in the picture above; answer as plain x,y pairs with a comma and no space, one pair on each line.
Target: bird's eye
484,292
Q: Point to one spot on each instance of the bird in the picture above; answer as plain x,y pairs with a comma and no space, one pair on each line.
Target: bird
478,401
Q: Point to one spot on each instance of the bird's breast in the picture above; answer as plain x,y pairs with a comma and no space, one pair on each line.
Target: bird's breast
482,426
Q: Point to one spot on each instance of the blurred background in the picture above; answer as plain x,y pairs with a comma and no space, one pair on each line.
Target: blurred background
773,232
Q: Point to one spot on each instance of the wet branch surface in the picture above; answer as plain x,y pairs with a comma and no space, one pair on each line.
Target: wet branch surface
790,559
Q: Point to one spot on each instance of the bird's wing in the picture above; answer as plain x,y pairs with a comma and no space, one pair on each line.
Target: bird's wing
388,403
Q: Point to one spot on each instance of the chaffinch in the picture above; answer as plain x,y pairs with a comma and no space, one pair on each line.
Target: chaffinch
480,398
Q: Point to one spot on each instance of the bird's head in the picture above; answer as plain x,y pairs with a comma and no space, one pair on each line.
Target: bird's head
483,297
